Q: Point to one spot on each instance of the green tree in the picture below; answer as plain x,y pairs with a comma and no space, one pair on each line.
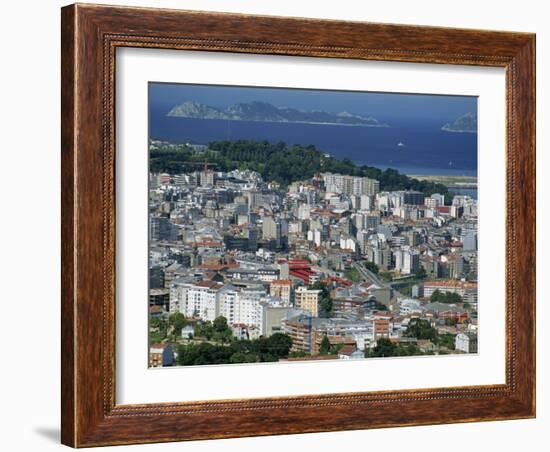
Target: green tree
280,163
380,306
421,273
325,301
158,329
385,348
445,297
218,330
447,340
204,329
264,349
297,354
154,322
241,357
436,296
222,331
326,307
177,321
324,348
224,336
372,267
220,324
422,329
273,347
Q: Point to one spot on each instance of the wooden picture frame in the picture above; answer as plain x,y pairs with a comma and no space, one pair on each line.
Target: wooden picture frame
90,36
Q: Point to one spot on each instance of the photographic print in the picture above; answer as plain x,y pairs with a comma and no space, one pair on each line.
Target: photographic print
304,225
291,206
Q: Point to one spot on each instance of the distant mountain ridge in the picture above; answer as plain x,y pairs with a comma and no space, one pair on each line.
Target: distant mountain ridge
266,112
465,123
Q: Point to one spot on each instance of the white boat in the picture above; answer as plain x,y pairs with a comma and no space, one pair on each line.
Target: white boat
400,144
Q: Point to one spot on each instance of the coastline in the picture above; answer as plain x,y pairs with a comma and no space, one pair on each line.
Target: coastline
447,179
447,129
283,122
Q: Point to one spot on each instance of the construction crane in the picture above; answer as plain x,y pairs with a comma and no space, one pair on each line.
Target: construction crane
205,163
206,176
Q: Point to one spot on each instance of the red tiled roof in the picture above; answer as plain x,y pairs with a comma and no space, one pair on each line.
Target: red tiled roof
214,267
336,279
208,244
163,346
281,282
313,358
347,349
298,263
302,274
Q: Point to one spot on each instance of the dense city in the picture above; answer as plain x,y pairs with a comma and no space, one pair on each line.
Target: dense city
247,270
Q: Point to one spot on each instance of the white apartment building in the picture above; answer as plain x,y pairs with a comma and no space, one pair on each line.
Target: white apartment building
178,296
228,300
243,306
361,331
434,201
249,311
410,306
348,243
350,185
407,260
466,342
314,236
467,290
304,212
202,300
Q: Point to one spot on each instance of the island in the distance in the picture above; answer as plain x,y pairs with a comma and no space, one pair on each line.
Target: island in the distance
465,123
266,112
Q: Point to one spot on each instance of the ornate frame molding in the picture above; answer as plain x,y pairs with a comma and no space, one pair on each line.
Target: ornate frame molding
90,36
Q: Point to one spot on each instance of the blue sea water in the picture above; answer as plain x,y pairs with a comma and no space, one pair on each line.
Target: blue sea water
426,149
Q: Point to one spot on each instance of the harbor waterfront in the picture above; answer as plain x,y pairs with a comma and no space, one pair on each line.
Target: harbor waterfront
459,185
262,250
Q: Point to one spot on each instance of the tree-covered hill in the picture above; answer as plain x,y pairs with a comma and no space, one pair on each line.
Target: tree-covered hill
280,163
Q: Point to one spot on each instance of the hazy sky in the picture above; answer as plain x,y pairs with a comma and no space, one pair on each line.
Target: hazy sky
379,105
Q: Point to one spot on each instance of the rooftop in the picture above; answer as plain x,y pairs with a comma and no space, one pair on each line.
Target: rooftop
451,283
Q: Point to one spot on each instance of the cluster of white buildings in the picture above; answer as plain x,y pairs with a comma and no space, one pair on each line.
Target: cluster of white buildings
350,185
251,306
223,244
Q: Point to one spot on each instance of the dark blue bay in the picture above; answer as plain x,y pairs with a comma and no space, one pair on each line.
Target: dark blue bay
426,150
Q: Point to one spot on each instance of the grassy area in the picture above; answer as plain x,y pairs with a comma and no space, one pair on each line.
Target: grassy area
447,180
406,290
353,275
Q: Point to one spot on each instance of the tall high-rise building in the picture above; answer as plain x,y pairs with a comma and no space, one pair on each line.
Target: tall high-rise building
407,260
272,230
434,201
207,178
202,300
350,185
413,197
469,241
307,299
162,229
282,288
